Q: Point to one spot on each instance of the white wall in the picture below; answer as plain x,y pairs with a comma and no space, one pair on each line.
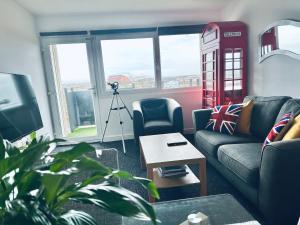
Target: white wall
277,75
20,52
124,20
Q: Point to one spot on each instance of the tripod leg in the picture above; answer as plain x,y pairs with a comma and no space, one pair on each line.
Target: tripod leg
106,122
121,123
125,107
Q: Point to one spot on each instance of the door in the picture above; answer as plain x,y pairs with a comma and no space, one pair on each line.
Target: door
72,89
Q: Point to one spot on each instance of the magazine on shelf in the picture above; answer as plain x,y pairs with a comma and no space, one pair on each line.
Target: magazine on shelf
173,171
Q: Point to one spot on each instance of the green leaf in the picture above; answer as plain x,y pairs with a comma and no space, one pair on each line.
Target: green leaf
52,185
2,148
11,150
65,158
146,183
33,136
27,182
116,200
74,217
91,165
27,211
149,185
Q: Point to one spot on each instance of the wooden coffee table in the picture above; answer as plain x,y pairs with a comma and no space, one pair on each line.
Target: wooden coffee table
155,153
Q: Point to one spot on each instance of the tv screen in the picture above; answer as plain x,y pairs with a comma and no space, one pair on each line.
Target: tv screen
19,111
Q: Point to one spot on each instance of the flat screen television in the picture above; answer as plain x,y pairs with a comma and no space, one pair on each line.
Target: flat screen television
19,111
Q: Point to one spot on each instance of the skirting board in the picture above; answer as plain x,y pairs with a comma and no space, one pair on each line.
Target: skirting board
131,136
117,137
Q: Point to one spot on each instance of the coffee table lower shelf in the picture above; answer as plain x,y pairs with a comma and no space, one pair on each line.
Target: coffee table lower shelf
162,182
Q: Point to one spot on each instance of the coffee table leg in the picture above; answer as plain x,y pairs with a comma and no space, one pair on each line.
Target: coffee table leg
142,159
150,176
202,176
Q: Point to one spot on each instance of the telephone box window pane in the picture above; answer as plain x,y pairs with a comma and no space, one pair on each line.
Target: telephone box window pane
209,76
209,85
228,74
237,64
209,57
228,86
237,74
228,54
228,65
238,54
209,66
237,85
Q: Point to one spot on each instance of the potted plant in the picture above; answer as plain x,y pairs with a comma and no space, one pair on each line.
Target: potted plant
34,186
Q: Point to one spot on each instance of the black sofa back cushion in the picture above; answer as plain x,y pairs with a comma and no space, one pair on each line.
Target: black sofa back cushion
291,106
155,109
264,114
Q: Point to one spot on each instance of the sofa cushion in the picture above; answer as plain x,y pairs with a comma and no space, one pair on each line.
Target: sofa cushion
155,109
243,160
210,141
224,118
158,127
291,106
279,129
265,109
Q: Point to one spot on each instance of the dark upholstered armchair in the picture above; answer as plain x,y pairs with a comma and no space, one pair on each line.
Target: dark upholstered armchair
156,116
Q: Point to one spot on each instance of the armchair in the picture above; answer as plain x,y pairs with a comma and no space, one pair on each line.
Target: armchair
156,116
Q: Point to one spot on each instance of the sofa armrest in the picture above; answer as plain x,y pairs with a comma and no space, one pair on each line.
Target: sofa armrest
175,114
201,118
138,120
279,187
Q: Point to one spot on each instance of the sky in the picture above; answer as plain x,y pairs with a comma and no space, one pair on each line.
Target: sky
180,55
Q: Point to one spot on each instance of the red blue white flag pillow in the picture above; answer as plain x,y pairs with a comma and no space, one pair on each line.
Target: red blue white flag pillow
279,129
224,118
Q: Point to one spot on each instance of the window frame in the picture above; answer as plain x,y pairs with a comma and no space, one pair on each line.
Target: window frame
51,87
97,38
94,38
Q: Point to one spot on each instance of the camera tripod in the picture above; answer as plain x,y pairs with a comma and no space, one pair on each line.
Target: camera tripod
118,108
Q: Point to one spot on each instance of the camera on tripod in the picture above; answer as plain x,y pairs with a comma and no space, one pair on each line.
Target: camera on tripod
114,85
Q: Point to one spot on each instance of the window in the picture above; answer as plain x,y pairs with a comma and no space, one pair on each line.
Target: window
130,62
75,101
180,60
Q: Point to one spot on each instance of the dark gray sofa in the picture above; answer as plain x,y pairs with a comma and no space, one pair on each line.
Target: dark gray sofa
270,179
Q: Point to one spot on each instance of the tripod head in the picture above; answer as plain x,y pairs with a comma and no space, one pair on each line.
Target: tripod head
114,86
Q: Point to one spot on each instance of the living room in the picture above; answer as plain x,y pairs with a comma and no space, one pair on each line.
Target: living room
70,51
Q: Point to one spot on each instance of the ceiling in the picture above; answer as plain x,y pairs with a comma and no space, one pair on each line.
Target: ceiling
71,7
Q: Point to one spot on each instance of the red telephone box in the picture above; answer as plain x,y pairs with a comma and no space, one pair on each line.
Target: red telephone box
224,63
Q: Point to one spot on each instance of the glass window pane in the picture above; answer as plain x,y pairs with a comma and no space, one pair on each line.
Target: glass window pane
238,53
180,60
129,62
209,76
209,66
228,74
228,65
228,54
209,56
237,64
237,74
228,85
209,85
75,99
237,85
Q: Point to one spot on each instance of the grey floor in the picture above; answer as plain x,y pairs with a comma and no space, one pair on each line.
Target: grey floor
215,182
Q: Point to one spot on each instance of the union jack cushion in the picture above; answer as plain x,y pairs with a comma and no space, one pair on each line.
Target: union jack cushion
224,118
279,129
